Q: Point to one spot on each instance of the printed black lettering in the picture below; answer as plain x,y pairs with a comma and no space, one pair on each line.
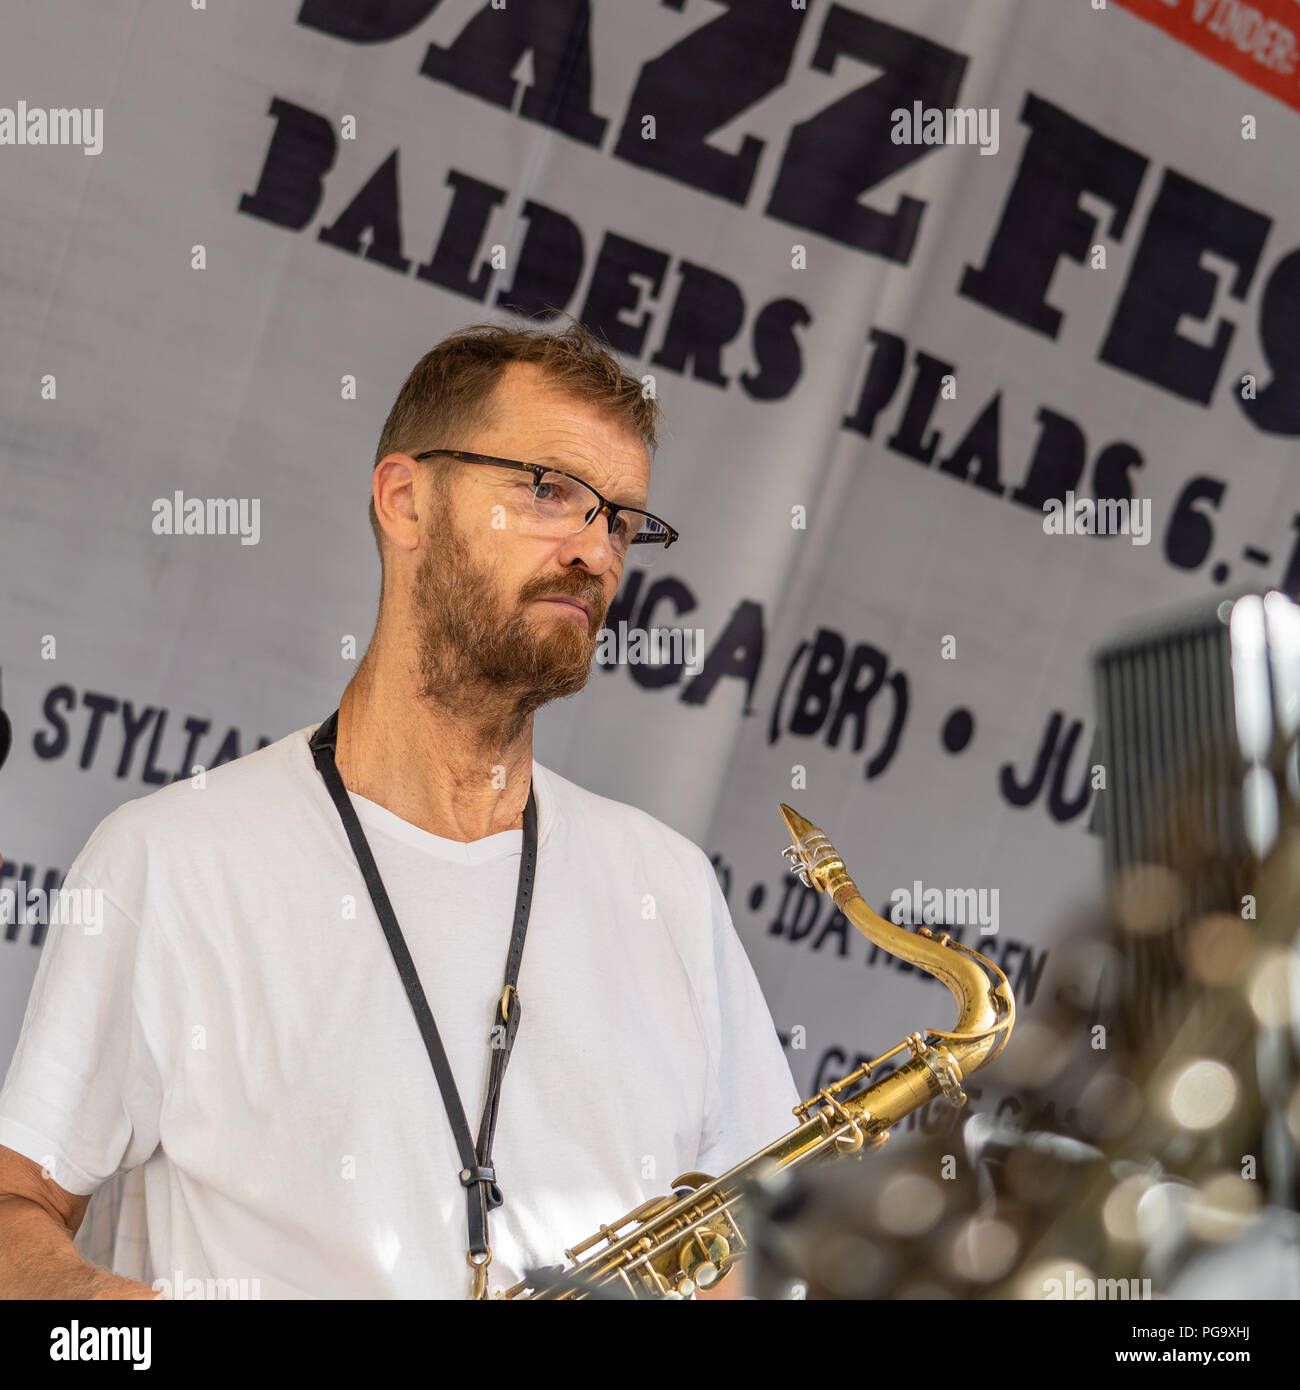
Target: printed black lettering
372,221
701,83
776,349
613,293
374,22
550,263
708,312
451,263
55,746
482,57
291,184
1167,283
1276,407
1042,220
832,158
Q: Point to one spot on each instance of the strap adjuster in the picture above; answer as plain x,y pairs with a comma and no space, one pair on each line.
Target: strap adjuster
492,1197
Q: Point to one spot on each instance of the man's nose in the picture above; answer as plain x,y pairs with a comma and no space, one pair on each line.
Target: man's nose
592,546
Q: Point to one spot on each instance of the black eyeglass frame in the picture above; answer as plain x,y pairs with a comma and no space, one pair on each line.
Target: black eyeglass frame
608,508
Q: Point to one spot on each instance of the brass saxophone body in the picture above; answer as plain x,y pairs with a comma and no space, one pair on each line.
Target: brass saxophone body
668,1246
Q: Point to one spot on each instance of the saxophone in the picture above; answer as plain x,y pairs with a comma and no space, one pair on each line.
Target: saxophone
670,1245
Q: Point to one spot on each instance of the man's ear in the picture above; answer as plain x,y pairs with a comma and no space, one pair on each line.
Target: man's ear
392,494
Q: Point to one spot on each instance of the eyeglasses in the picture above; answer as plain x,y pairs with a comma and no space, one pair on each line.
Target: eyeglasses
563,502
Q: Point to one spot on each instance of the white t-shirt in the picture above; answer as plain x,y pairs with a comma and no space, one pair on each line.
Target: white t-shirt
238,1028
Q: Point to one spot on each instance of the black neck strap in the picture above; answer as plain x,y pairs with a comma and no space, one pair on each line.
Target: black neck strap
477,1174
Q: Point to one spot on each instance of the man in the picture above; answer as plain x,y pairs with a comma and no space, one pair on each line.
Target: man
239,1026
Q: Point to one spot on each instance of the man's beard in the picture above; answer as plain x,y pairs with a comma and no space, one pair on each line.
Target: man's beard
476,659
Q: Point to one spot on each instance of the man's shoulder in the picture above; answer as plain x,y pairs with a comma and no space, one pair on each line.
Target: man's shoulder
616,824
238,800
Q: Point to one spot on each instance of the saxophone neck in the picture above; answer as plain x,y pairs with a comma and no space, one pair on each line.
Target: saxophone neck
984,1000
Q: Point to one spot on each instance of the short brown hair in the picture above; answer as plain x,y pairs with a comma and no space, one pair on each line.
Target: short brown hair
448,393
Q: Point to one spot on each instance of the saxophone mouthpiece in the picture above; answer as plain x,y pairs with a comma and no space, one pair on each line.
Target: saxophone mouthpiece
795,823
812,856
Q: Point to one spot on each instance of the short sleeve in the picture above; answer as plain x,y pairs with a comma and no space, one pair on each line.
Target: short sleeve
82,1094
751,1091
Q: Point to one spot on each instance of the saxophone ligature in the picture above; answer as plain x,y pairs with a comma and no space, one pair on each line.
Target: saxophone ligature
671,1245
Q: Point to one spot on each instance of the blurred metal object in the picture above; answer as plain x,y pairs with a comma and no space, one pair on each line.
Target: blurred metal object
1169,1063
1200,825
1198,718
1186,1071
920,1223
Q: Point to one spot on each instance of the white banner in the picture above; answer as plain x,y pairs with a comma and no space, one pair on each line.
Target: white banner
931,293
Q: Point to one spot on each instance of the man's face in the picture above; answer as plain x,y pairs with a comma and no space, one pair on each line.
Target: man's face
488,597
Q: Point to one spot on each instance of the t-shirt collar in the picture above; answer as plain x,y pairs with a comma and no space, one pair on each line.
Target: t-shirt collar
377,817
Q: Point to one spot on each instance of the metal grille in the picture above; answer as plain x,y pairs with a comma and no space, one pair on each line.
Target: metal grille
1197,719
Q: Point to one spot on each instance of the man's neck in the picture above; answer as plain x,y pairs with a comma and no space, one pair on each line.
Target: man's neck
447,772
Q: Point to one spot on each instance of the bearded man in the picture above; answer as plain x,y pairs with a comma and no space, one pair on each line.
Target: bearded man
317,962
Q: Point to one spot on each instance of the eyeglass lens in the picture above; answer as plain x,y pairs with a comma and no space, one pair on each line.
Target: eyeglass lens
569,504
